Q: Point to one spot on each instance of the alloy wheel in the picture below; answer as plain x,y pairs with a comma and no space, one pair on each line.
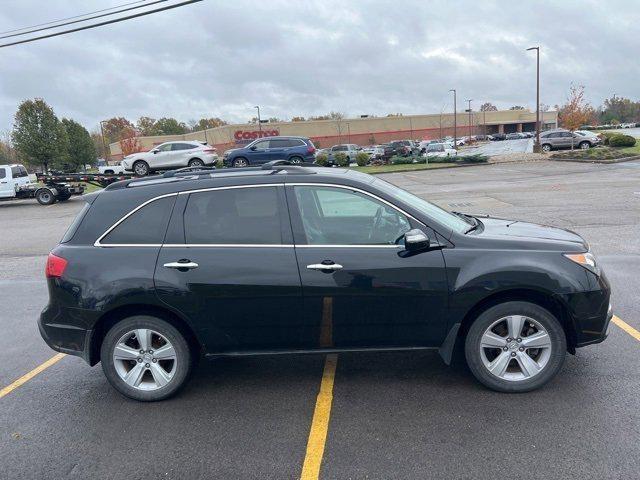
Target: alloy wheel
145,359
141,169
239,163
515,348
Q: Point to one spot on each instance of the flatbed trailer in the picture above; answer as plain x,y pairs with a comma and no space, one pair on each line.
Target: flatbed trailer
61,186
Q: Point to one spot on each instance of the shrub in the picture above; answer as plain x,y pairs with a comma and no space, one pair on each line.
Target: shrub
477,158
398,160
622,141
341,159
362,159
322,159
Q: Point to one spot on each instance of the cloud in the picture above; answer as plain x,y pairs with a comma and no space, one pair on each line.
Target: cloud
292,58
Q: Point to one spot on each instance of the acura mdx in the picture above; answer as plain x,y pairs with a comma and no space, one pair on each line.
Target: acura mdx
156,272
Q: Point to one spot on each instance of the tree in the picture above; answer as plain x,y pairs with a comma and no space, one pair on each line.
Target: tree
170,126
116,128
131,143
336,115
205,123
517,107
274,120
81,148
488,107
298,119
576,111
38,135
98,144
394,115
147,126
619,109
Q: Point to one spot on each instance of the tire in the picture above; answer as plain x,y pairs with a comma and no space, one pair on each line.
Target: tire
145,370
196,162
296,160
546,148
109,172
240,162
547,360
63,197
141,168
584,145
45,196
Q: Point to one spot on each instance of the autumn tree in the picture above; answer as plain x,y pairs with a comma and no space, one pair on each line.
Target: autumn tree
488,107
116,128
147,126
576,111
170,126
81,148
38,135
130,143
205,123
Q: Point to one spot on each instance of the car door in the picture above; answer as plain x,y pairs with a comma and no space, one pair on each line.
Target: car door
179,154
229,266
361,288
6,185
278,149
258,153
161,157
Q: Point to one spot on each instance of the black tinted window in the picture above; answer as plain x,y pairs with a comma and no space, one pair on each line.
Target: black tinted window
181,146
279,143
234,216
17,172
3,173
146,226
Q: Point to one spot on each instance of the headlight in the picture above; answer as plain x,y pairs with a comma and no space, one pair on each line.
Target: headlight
586,259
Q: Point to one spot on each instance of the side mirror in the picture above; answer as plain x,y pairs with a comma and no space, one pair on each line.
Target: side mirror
253,148
155,150
415,240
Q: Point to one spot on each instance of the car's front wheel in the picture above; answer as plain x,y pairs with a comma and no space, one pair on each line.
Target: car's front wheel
141,168
145,358
515,347
585,145
240,162
546,148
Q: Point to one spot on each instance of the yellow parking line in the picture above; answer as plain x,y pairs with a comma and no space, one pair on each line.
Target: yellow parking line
320,422
28,376
626,327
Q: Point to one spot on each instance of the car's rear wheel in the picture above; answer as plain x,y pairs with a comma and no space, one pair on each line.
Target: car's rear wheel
145,358
44,196
296,160
546,147
141,168
240,162
584,145
196,162
515,347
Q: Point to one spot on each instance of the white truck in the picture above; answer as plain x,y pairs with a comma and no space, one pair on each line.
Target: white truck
106,169
15,183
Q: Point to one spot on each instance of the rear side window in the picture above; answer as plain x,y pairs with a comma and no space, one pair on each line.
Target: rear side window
3,173
19,171
234,216
146,226
181,146
68,235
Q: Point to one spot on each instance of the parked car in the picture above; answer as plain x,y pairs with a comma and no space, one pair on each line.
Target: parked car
106,169
558,139
514,136
587,133
170,155
217,265
349,149
497,137
263,150
440,150
374,151
388,150
627,125
403,148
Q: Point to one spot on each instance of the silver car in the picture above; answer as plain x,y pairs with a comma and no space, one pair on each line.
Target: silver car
558,139
170,155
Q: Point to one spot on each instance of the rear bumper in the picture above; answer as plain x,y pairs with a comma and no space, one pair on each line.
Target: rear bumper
61,336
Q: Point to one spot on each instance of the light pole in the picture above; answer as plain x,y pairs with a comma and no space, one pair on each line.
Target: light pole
455,122
348,133
469,100
411,127
259,122
537,49
104,144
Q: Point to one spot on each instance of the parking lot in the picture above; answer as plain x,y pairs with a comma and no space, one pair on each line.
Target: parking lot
394,415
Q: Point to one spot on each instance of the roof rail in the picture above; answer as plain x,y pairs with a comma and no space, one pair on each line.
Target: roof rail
172,173
286,165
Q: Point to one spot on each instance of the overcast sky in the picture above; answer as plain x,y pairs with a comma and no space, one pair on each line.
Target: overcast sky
220,58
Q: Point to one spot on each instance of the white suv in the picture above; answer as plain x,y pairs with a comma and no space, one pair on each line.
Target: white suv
170,155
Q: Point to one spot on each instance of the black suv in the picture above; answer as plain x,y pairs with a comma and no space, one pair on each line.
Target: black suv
156,272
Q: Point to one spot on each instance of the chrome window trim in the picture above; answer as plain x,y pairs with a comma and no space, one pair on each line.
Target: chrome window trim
98,243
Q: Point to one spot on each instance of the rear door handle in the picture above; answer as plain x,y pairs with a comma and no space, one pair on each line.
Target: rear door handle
188,265
323,267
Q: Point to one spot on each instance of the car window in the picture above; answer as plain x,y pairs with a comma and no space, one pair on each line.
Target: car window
336,216
18,172
261,145
279,143
145,226
296,142
164,148
181,146
234,216
3,173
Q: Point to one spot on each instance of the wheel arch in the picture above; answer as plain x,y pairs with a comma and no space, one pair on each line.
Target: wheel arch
541,298
112,317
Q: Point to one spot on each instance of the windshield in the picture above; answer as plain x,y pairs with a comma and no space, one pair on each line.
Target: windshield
438,214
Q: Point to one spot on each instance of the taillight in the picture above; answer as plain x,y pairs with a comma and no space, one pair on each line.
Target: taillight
311,149
55,266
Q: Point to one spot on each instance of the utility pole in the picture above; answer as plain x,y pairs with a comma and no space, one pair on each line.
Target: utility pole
455,122
259,121
484,123
469,100
411,127
537,145
104,143
348,133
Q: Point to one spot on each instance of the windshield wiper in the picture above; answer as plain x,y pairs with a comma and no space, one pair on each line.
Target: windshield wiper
473,221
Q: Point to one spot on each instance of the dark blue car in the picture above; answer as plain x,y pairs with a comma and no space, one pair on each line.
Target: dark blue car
263,150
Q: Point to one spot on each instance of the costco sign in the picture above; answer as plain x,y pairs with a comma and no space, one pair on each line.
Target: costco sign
243,136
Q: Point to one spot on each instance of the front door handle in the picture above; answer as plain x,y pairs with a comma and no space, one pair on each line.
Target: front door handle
179,265
325,268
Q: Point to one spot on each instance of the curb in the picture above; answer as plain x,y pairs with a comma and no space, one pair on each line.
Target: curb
595,160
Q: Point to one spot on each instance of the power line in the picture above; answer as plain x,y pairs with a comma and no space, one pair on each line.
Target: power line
86,27
84,19
75,16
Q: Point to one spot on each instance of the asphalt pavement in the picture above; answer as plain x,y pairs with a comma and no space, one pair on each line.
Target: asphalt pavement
394,415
